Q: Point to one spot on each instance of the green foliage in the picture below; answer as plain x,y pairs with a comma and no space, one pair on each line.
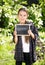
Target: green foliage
8,19
6,49
42,5
35,15
40,62
10,9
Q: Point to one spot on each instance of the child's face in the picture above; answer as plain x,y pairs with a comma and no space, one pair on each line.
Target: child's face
22,16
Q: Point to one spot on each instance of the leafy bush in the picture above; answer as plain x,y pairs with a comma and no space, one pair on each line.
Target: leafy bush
8,19
6,49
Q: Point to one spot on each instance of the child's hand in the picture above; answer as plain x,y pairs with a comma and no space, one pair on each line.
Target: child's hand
16,37
15,33
31,34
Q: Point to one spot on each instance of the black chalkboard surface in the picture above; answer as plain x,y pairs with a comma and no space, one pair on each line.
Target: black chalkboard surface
22,29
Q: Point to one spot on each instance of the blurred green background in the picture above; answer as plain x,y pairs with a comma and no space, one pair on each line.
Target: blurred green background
8,19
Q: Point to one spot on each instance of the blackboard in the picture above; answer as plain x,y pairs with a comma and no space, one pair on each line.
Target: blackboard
22,29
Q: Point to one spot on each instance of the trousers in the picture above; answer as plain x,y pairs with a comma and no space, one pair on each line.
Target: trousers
26,59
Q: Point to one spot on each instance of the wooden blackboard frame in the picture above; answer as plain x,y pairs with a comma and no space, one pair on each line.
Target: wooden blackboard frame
24,30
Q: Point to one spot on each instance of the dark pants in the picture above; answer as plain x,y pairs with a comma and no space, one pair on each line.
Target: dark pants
26,59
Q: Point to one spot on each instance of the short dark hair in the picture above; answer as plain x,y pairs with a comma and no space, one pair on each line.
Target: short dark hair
23,9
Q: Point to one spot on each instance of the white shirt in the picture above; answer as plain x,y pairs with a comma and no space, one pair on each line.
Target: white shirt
25,45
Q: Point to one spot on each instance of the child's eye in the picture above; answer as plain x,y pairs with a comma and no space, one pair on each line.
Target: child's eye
20,15
24,15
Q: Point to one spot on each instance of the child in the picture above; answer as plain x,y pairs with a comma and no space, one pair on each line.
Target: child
25,45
